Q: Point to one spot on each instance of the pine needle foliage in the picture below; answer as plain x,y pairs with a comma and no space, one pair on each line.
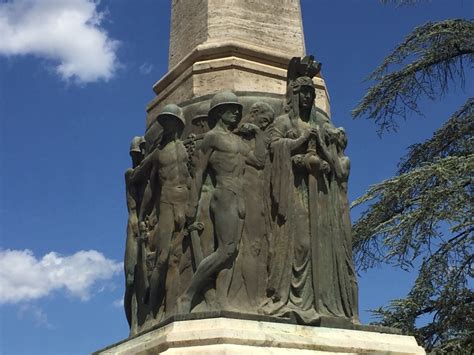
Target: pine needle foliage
430,58
455,138
422,219
425,213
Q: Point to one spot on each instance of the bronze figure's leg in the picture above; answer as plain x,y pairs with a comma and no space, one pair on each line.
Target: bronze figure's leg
161,242
130,265
228,227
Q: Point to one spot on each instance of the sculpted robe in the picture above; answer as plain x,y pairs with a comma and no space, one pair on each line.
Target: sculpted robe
310,259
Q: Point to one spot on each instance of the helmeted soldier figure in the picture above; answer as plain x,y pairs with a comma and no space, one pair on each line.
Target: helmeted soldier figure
223,154
134,194
170,180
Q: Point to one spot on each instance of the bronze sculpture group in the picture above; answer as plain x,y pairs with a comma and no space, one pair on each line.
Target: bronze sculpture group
247,214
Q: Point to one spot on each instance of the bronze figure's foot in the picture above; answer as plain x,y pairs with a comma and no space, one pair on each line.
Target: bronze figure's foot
184,304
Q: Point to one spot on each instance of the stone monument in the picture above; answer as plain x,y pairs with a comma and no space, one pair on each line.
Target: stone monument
239,234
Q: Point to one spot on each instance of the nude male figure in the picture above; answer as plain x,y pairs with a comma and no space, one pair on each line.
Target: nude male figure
134,194
224,155
167,168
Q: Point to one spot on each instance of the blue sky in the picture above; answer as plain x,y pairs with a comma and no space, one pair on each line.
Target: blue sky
70,101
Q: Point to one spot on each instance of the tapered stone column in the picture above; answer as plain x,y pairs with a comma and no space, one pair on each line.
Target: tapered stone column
271,26
240,45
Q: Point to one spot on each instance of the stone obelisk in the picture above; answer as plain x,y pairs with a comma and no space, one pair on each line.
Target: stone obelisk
239,45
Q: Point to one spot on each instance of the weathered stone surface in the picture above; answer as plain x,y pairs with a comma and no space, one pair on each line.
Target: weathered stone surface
233,336
187,16
273,26
231,73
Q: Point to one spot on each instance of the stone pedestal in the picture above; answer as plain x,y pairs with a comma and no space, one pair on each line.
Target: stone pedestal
234,336
239,45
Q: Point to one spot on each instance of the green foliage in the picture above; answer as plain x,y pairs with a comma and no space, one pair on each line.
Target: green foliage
453,139
439,52
423,217
426,212
409,212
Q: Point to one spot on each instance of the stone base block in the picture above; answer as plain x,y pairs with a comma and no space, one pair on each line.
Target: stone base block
236,67
234,336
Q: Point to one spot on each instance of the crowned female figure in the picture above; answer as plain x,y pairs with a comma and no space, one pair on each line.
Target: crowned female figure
307,244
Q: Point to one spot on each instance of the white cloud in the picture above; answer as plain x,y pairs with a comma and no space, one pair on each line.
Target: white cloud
36,313
118,303
23,277
146,68
68,32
